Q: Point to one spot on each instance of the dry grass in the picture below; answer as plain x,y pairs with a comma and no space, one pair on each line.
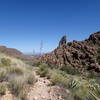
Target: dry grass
17,74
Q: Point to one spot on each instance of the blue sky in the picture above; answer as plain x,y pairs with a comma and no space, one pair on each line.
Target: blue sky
24,23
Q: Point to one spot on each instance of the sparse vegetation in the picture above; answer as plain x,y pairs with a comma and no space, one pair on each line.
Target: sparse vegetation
43,70
31,79
16,76
70,70
16,70
3,74
73,84
80,87
5,62
2,89
16,86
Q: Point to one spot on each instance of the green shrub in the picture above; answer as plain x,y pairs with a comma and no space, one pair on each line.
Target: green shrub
80,93
31,79
43,67
43,70
36,64
70,70
5,62
2,89
93,75
16,86
3,73
57,77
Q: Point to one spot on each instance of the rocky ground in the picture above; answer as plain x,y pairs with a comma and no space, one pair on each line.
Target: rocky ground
43,90
7,96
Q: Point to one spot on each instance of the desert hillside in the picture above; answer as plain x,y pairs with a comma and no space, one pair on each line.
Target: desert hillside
82,55
10,51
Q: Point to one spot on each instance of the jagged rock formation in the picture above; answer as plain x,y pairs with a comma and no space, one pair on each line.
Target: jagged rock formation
81,55
63,41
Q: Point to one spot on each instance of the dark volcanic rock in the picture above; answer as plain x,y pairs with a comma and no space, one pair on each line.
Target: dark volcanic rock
77,54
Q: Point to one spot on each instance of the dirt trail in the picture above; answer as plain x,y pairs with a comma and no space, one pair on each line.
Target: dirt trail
42,90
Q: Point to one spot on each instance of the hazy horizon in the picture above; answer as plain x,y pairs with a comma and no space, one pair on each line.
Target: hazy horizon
25,23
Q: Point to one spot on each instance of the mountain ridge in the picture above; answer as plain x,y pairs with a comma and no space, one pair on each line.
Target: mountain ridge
10,51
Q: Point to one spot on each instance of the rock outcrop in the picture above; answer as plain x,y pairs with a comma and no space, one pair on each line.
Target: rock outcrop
81,55
63,41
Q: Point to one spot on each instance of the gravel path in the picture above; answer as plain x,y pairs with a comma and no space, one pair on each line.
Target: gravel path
42,90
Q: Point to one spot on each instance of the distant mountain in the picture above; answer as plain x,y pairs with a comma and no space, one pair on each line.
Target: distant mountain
83,55
10,51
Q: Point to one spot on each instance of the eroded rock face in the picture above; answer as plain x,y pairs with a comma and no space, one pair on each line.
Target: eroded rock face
63,41
95,38
81,54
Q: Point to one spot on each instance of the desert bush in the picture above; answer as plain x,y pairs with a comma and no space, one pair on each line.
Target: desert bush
70,70
16,69
36,64
93,75
6,62
80,93
57,77
2,89
43,70
16,85
3,74
31,79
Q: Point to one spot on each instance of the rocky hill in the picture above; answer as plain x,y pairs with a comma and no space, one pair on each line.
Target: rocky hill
10,51
84,55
